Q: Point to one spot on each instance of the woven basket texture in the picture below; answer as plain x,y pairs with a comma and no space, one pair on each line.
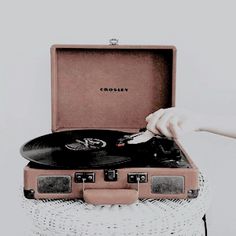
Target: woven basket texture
145,217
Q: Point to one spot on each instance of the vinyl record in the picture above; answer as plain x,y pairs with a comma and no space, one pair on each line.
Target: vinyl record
76,149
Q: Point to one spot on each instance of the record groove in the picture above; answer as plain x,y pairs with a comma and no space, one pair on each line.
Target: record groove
76,149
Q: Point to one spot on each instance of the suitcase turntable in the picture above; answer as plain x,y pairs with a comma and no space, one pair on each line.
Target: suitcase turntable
100,97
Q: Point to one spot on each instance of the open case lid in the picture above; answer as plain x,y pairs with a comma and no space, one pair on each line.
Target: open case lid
110,87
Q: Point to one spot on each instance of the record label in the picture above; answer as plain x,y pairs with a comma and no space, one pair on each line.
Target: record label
86,144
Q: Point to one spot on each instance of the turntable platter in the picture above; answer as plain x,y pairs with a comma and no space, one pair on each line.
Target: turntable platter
76,149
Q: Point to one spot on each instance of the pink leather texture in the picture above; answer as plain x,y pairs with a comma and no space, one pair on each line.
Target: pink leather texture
110,196
110,87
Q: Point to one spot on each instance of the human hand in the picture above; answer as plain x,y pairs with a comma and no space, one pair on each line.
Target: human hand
171,123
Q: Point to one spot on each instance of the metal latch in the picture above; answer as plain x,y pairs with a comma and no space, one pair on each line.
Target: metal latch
137,177
113,41
86,177
110,175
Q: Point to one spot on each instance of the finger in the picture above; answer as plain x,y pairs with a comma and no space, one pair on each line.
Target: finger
147,135
149,117
174,127
156,113
163,124
151,126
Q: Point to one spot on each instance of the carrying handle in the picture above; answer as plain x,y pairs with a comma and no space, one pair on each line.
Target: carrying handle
110,196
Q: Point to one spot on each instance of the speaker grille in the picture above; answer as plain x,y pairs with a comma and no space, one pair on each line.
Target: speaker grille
54,184
168,184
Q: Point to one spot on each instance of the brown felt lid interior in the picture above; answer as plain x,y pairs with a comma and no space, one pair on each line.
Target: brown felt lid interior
82,74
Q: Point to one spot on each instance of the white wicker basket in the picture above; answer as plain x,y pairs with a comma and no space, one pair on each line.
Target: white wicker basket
146,217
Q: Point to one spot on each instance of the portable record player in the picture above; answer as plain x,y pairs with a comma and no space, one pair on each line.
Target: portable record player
100,98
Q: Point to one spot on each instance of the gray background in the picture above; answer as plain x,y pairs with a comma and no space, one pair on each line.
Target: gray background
204,34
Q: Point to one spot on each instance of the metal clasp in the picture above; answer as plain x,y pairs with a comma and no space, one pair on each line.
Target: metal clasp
113,41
